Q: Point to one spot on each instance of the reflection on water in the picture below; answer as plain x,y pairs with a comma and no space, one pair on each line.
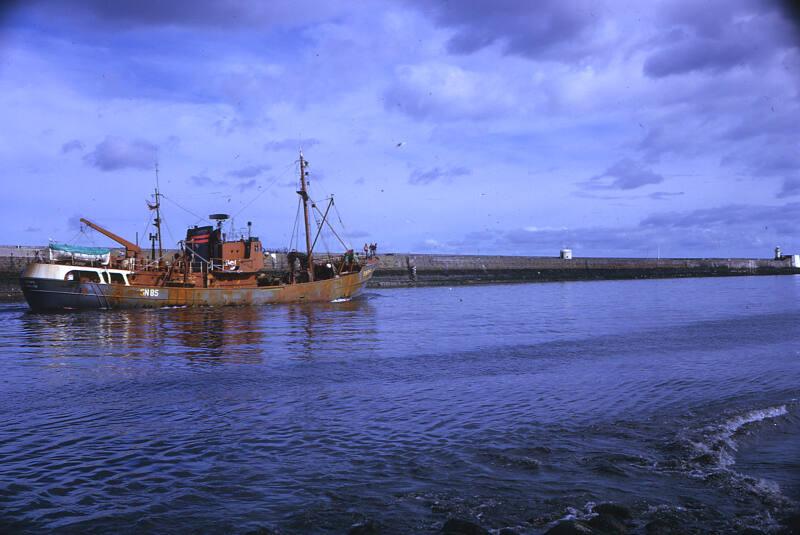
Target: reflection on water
225,334
508,405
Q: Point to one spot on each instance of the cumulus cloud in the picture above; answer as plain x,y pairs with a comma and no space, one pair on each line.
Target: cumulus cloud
420,177
447,91
625,174
291,144
116,153
71,145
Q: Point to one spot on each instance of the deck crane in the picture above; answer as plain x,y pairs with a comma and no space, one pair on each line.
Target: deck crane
131,249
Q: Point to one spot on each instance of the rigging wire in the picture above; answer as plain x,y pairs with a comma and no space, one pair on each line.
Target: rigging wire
344,229
88,236
295,229
263,191
147,224
77,234
169,231
314,205
199,218
321,234
325,242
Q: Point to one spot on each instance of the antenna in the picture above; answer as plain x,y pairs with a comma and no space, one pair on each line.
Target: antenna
156,222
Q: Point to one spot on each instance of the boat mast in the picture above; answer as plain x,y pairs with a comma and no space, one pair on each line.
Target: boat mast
304,195
157,220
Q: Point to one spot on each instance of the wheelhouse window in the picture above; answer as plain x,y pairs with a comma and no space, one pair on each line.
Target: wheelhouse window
82,276
117,278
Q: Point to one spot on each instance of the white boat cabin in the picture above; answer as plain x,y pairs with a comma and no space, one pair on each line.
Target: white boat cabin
98,275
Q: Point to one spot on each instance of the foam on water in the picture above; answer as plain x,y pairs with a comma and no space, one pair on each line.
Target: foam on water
719,440
712,456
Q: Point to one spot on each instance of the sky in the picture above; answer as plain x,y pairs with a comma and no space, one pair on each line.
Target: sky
616,128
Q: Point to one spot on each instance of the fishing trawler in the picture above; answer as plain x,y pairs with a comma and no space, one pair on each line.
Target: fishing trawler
208,270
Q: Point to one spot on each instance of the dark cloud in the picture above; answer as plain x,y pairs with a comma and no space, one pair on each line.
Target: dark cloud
655,143
790,9
762,142
765,118
724,231
420,177
72,145
184,13
291,144
625,174
115,153
717,36
699,54
551,29
768,160
32,229
8,8
730,216
249,172
790,188
751,132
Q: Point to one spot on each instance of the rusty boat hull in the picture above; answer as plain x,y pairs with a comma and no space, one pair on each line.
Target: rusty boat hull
49,294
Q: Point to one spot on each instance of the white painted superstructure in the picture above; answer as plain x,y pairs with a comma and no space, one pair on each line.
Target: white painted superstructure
66,272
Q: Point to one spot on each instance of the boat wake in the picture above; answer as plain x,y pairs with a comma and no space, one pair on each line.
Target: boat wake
708,455
717,446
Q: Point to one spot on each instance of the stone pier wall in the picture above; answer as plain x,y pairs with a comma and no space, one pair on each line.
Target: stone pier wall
402,269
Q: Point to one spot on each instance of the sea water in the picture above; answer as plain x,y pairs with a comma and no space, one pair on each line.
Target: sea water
506,405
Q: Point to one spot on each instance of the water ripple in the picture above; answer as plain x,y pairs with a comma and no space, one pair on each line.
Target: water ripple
510,405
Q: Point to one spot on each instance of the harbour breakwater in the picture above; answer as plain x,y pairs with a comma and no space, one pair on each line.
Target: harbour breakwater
434,269
402,270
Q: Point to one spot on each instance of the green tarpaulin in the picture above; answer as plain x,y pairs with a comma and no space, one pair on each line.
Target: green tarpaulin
77,249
